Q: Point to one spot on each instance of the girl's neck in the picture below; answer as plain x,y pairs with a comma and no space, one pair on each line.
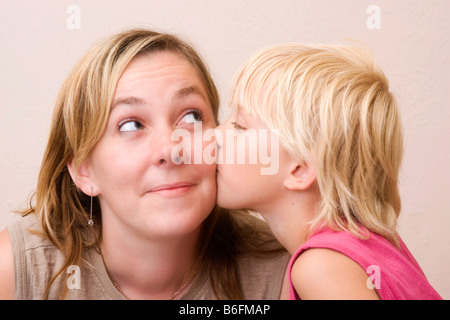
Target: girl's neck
289,217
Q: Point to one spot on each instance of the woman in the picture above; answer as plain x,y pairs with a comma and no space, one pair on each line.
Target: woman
115,217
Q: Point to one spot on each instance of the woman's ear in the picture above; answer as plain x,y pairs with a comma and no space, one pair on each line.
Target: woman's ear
81,176
300,176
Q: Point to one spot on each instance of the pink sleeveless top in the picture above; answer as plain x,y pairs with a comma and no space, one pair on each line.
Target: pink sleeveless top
394,272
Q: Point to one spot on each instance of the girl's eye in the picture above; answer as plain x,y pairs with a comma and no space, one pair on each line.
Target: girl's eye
129,125
237,126
192,117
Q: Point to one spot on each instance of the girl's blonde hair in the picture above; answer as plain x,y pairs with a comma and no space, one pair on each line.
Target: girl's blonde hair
333,109
79,120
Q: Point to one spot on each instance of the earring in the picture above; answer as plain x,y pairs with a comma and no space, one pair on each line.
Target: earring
91,222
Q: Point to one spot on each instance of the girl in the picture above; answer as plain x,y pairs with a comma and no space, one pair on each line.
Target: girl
334,201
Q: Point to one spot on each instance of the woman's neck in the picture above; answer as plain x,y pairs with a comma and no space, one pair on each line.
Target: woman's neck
149,269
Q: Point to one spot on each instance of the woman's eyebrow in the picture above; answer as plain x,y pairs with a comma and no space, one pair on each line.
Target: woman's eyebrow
188,90
179,94
127,101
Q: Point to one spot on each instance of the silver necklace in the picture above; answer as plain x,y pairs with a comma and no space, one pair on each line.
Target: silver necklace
176,293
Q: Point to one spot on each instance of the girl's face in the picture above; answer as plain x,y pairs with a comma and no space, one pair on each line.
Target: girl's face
131,167
252,181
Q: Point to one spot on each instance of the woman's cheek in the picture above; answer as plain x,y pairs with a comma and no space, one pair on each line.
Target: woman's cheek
203,149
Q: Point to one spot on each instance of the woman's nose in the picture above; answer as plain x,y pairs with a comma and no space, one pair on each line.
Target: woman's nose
162,147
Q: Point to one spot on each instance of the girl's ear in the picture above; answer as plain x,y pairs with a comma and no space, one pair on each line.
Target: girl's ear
82,178
300,177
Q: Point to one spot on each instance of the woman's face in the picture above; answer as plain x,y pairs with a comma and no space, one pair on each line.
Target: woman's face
131,167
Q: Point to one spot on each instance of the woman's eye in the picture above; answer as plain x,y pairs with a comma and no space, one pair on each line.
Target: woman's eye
129,125
192,117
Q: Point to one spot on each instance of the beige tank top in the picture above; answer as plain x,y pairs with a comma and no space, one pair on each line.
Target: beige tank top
36,260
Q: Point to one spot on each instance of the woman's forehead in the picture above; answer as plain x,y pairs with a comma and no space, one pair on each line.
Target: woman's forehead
162,68
161,63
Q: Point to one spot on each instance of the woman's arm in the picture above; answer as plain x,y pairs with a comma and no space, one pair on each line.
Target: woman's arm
6,267
325,274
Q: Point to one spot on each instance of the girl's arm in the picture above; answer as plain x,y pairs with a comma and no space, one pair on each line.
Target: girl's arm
325,274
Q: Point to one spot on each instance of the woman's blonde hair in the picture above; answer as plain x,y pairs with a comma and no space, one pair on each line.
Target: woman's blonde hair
79,120
333,109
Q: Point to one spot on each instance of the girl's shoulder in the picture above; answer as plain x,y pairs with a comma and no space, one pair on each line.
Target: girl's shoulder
321,273
369,263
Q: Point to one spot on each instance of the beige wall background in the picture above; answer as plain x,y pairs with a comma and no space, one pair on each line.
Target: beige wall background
40,41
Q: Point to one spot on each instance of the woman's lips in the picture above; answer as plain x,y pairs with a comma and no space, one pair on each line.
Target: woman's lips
172,188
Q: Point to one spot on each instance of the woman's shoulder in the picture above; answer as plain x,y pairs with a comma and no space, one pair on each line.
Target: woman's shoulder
6,267
15,239
262,275
35,258
26,233
22,249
